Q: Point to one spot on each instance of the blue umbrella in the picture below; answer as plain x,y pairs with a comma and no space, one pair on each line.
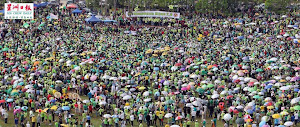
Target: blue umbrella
262,123
268,87
65,108
156,93
102,60
296,89
77,11
156,69
281,126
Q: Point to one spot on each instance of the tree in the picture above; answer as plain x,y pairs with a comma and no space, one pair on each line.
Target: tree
277,6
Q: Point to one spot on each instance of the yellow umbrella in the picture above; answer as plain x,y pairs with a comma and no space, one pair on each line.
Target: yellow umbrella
50,58
284,113
54,107
155,55
142,88
270,107
276,116
57,94
64,125
39,110
55,23
126,104
137,74
46,109
83,54
282,80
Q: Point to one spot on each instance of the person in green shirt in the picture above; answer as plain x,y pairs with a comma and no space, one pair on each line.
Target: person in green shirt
56,124
197,124
204,123
189,123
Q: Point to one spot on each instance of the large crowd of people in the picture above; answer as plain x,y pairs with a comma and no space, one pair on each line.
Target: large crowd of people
241,71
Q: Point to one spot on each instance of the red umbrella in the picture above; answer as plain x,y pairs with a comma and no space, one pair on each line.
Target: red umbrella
2,101
72,6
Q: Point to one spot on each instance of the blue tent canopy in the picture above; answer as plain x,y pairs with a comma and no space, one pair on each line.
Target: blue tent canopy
35,5
2,11
42,4
107,21
92,19
77,11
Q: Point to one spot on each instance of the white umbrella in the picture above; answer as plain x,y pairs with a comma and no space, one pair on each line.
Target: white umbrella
85,101
223,92
227,117
106,116
239,107
215,96
284,88
295,101
196,103
288,123
106,77
127,97
147,100
189,105
193,76
124,78
168,115
175,126
102,103
185,73
146,93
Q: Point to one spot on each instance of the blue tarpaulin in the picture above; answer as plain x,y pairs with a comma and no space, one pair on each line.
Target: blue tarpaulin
92,19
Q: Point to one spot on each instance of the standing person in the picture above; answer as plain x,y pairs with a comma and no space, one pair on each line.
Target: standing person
131,119
33,121
16,121
88,119
5,117
27,124
38,120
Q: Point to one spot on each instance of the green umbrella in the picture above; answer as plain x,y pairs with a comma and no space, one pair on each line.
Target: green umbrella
200,90
210,86
259,70
297,107
144,71
32,21
5,49
256,96
26,25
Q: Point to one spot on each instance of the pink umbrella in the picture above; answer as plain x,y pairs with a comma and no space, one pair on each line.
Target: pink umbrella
11,63
247,117
295,79
17,111
184,89
265,126
93,77
251,84
24,62
297,68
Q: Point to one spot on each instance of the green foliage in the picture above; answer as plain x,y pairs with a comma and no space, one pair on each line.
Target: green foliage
277,6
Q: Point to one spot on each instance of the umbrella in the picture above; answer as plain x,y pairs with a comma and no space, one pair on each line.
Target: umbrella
54,107
168,115
2,101
227,117
276,116
297,107
57,94
127,97
85,101
24,108
106,115
72,5
9,100
288,123
239,121
215,96
65,108
175,126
